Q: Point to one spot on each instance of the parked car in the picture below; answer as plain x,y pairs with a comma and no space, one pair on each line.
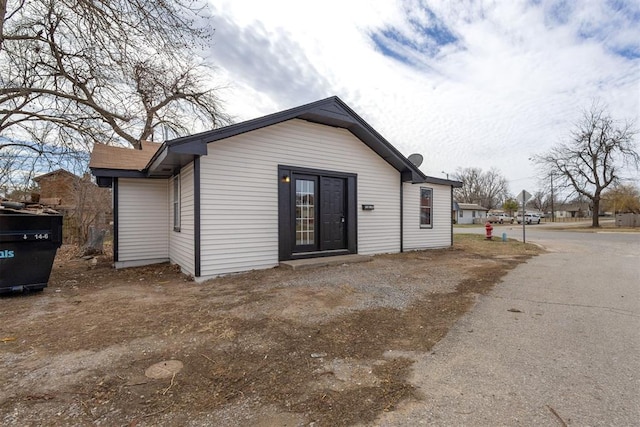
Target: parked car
503,217
500,218
530,218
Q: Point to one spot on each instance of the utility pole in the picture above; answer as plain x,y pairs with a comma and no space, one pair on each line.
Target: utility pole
553,213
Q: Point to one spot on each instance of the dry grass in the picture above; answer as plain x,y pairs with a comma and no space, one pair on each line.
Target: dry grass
293,347
477,244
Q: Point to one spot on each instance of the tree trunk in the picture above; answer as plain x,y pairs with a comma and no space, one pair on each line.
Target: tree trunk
3,13
595,213
95,243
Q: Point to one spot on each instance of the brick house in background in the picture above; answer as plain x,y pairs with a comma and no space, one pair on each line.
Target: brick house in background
57,189
82,203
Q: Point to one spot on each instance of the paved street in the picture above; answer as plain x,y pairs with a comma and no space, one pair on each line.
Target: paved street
557,343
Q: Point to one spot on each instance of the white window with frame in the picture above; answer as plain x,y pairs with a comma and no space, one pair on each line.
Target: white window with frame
426,206
176,203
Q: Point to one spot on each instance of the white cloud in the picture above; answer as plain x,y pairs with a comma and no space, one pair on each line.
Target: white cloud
506,81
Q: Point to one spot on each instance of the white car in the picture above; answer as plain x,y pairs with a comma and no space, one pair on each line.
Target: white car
499,217
503,217
529,218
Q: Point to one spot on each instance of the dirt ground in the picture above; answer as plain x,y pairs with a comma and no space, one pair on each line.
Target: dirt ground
326,346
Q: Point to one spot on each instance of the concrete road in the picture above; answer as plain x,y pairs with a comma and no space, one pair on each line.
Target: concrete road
557,343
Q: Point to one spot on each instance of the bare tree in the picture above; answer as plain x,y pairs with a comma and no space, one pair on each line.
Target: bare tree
91,205
488,189
593,157
540,201
78,72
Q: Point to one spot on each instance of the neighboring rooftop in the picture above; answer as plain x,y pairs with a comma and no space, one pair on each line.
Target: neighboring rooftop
471,207
57,172
121,158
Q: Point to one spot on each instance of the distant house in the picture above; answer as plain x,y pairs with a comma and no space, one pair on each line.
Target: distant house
312,181
57,188
81,201
468,213
573,210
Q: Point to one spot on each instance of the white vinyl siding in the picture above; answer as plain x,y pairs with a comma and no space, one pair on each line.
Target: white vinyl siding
143,221
181,243
439,235
466,216
239,192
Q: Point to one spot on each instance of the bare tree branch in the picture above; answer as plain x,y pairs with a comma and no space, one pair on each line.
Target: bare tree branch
488,189
112,72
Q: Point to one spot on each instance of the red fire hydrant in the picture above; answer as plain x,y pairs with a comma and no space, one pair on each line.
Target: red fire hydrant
488,228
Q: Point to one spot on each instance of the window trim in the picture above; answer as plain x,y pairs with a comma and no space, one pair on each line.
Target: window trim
177,203
430,207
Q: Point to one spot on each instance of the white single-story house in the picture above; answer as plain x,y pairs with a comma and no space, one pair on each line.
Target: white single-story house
468,212
311,181
573,210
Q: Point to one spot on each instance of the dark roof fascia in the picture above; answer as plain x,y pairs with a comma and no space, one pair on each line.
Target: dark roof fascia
157,154
440,181
117,173
330,111
257,123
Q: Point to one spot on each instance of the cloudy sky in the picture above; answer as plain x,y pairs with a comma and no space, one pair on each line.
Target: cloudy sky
464,83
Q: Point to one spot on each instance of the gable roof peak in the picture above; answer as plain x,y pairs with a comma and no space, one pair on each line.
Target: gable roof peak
331,111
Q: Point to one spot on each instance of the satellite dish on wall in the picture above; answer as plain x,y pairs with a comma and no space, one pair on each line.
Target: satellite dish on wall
416,159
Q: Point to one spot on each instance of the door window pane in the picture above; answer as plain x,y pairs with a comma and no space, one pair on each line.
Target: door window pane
305,212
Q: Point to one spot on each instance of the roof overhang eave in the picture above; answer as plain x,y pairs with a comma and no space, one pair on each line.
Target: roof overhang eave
173,155
440,181
117,173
